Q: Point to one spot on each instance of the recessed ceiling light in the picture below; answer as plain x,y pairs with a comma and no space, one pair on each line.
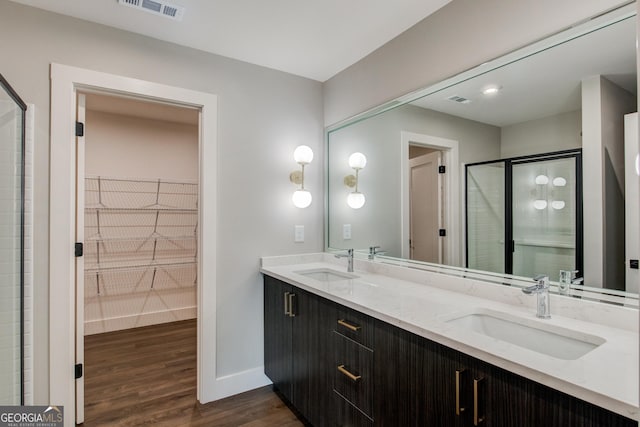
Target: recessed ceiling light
491,90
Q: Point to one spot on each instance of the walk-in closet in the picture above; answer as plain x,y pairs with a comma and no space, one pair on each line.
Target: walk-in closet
138,167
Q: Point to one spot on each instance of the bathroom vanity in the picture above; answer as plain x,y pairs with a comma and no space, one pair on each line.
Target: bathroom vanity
397,346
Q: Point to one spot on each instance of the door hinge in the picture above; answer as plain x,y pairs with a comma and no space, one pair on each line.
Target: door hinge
79,129
78,370
633,263
79,249
442,169
442,232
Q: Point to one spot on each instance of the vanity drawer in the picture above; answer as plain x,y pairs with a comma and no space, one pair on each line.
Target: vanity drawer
347,415
356,326
353,373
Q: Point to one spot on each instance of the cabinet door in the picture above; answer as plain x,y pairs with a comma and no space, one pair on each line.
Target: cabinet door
312,355
278,336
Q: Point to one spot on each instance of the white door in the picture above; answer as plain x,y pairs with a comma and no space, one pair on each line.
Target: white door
425,195
80,118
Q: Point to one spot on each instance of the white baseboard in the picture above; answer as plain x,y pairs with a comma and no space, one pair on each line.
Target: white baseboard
137,320
240,382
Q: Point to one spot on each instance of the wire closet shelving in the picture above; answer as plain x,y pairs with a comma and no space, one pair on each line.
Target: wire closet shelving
140,235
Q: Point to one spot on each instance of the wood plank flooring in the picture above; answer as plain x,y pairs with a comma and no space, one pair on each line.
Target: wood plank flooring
147,376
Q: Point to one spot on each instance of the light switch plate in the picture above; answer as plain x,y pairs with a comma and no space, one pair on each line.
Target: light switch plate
346,231
298,234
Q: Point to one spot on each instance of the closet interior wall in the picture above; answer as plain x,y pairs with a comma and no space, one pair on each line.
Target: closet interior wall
141,216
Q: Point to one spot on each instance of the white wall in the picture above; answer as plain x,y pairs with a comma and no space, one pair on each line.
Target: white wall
603,108
379,139
119,146
263,115
554,133
461,35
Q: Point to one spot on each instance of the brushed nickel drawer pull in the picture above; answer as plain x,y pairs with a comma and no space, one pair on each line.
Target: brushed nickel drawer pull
459,409
351,376
477,418
348,325
286,304
291,313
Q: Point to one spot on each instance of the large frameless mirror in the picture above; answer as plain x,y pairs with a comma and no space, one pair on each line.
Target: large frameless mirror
12,128
516,167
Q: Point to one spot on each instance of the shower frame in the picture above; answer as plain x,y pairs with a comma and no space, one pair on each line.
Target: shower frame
509,248
23,107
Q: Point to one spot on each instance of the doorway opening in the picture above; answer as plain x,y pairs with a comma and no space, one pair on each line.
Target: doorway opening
430,199
137,197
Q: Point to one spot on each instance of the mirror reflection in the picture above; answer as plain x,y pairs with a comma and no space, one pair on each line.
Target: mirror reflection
525,165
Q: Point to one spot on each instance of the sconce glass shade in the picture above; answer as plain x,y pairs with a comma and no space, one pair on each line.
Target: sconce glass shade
355,200
301,199
559,181
540,204
557,204
303,155
357,161
542,180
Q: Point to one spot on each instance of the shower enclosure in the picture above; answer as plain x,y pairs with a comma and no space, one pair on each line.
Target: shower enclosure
12,138
524,214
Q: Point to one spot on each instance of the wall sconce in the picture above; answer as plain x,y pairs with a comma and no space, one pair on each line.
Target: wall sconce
303,155
355,199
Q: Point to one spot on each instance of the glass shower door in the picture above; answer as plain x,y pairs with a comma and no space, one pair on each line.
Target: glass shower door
544,217
485,216
11,244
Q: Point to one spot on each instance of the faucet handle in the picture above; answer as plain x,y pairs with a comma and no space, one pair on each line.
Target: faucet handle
542,279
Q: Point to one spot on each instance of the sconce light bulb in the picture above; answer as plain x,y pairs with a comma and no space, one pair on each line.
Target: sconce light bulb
357,161
303,155
557,204
542,180
301,199
540,204
355,200
559,181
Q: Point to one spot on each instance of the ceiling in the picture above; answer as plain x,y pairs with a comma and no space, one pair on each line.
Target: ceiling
547,83
313,38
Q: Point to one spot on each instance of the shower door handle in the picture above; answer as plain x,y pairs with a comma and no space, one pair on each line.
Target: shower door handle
513,246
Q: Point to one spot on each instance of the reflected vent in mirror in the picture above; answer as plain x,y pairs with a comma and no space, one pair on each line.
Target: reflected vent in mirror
459,99
167,10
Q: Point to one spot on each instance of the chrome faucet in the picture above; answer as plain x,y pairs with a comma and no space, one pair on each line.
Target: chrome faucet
373,250
541,289
568,278
349,256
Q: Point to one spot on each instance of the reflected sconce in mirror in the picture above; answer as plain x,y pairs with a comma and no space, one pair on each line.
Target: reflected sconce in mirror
303,155
355,199
540,204
557,204
559,182
542,180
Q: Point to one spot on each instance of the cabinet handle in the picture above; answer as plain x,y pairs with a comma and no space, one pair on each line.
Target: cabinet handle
351,376
459,409
291,313
286,304
477,418
348,325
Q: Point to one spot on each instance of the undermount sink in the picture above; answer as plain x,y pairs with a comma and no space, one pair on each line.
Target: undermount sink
326,274
551,340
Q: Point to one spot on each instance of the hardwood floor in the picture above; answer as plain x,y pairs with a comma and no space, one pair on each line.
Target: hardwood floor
147,376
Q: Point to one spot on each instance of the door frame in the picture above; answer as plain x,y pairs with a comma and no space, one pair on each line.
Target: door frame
65,82
451,192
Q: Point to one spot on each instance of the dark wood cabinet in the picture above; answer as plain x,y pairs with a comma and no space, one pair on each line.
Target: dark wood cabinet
392,377
298,348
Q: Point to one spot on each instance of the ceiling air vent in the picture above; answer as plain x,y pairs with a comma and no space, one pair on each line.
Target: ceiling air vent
459,99
162,8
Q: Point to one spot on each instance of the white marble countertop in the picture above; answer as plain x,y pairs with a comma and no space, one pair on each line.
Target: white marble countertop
422,301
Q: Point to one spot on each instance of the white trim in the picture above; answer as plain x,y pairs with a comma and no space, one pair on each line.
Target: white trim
118,323
449,149
28,254
64,82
